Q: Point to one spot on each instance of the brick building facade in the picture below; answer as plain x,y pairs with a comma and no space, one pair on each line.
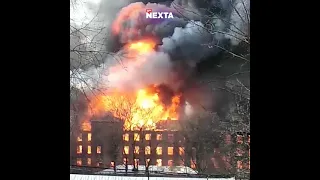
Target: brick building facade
107,144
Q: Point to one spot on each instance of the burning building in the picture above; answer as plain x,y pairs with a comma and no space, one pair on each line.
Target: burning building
153,147
107,144
137,102
134,123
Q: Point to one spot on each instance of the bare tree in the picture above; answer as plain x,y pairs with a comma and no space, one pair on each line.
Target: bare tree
125,108
87,51
235,83
237,120
201,137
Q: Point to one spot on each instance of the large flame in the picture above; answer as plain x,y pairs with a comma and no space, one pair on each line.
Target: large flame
140,47
142,109
139,109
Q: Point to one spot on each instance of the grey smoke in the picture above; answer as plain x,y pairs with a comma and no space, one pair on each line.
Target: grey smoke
188,42
132,75
189,37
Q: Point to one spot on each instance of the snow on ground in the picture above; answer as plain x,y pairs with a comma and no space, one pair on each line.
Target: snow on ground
101,177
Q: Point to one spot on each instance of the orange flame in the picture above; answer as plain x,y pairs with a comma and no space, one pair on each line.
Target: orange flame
86,126
142,47
141,109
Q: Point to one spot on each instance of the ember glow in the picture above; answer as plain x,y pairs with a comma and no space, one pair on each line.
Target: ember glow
141,108
86,126
139,48
142,47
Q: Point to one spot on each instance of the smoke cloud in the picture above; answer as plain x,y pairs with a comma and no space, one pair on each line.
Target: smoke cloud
182,42
133,75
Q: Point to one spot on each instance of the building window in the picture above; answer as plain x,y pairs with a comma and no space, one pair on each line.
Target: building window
159,162
148,137
147,150
159,137
136,162
136,149
124,161
170,150
216,151
136,137
170,162
239,164
239,139
86,126
98,149
99,164
159,150
79,149
126,137
89,149
215,163
227,161
228,139
126,150
89,161
193,164
170,137
79,162
193,151
181,162
239,152
89,136
147,162
181,151
79,139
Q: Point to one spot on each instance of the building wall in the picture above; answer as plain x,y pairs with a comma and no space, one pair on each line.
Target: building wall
169,145
81,149
108,142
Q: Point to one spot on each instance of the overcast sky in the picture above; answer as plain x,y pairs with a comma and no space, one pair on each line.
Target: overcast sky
83,11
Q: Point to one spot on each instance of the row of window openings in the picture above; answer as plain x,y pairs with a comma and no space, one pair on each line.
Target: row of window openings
79,161
158,162
240,164
159,137
239,139
79,149
79,139
239,152
136,150
136,161
147,150
136,137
